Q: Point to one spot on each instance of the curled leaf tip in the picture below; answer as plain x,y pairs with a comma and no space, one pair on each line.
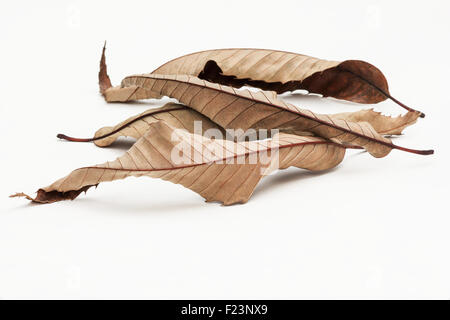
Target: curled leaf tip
20,195
54,196
17,194
104,81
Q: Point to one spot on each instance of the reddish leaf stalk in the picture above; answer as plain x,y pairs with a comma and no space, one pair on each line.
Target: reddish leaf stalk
387,95
63,136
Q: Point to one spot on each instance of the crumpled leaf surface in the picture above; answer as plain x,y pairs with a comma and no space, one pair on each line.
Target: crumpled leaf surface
180,116
385,125
280,71
218,170
174,114
242,109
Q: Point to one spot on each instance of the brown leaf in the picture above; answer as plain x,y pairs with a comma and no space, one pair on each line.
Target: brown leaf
281,71
180,116
176,115
242,109
385,125
103,79
218,170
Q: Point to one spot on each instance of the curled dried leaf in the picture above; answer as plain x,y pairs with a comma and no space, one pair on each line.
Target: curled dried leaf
385,125
180,116
243,109
280,71
218,170
176,115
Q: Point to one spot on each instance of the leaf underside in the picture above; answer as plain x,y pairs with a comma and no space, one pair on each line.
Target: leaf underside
243,109
218,170
280,71
283,71
180,116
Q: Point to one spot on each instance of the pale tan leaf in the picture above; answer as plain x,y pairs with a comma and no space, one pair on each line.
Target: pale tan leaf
180,116
243,109
218,170
385,125
176,115
279,71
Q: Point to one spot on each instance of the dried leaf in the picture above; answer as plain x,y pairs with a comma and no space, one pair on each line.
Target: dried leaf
385,125
103,79
242,109
281,71
176,115
218,170
180,116
225,170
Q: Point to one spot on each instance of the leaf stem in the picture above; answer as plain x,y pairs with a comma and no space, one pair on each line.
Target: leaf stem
65,137
387,95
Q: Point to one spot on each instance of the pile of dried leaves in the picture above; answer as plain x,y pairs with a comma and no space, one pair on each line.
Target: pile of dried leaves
227,167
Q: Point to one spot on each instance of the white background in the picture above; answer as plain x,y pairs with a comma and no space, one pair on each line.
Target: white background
371,228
